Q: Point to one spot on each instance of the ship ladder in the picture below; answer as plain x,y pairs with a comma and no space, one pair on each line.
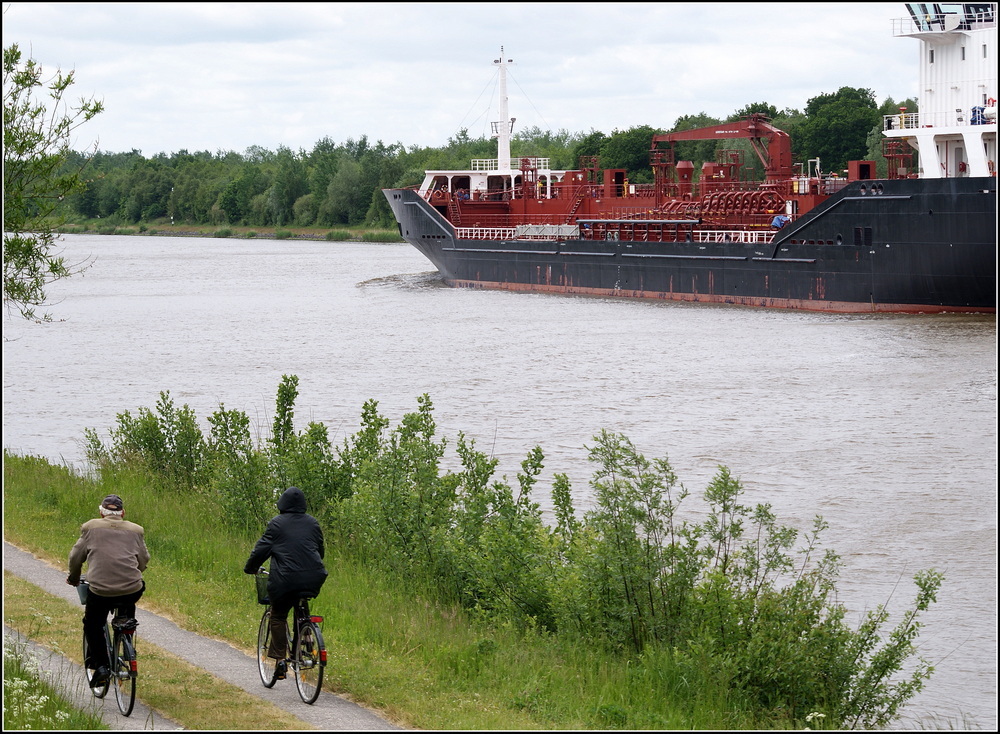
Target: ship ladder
581,195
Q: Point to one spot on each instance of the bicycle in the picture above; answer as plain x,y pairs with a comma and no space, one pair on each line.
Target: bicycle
308,658
119,637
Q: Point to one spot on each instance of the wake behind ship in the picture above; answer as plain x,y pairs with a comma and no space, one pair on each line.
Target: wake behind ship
919,241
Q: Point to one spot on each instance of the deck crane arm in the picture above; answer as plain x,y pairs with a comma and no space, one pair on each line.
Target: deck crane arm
776,157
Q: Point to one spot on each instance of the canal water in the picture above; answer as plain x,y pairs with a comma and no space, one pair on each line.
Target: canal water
885,425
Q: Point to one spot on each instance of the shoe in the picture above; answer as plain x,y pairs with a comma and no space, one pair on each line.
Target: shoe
280,669
101,676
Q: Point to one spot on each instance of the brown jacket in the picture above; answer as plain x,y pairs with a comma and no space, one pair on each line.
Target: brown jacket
116,555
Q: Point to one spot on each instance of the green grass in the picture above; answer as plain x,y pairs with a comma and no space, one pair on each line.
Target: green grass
422,664
166,681
29,702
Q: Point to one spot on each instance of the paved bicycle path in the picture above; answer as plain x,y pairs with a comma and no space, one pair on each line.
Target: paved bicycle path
67,678
218,658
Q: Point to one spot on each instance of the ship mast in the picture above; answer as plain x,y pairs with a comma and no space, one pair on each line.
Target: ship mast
503,128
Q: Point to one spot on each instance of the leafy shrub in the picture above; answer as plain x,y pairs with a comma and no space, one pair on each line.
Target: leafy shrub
723,599
168,443
338,235
223,232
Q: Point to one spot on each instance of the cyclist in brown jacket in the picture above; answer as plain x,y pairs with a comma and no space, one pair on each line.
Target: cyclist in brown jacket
116,555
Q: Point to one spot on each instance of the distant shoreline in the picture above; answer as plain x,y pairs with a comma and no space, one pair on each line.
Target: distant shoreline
239,233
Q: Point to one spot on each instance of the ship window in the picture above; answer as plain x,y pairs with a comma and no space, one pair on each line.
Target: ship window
984,50
930,57
963,53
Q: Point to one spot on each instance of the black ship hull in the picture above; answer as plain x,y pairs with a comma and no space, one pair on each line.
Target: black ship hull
899,246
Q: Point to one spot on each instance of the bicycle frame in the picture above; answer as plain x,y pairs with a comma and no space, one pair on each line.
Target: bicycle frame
120,647
306,653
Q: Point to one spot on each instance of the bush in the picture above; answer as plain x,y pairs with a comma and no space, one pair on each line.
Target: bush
724,598
223,232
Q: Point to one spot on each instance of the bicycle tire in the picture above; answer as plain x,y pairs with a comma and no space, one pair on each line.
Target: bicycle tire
123,673
309,661
265,665
98,691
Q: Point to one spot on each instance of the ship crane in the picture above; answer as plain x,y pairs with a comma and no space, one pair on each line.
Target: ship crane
772,146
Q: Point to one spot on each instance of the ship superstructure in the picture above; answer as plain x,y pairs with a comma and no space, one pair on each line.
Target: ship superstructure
955,128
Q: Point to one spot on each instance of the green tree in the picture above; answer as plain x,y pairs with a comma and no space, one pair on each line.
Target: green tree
837,127
588,145
629,149
36,144
290,183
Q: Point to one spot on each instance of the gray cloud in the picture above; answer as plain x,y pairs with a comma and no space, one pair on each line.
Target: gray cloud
221,76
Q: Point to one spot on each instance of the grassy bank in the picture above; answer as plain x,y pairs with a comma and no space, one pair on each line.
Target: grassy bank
424,665
166,228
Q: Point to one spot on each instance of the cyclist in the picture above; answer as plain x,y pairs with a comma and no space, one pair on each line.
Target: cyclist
116,555
294,542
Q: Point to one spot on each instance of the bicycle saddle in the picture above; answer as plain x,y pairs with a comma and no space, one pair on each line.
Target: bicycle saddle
124,623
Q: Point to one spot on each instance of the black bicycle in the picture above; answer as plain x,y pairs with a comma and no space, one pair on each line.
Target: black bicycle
308,653
119,638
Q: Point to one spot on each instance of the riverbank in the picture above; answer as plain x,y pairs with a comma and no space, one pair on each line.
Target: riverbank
185,229
420,664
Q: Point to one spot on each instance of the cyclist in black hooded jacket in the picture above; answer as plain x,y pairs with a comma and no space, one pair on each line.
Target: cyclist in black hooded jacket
294,542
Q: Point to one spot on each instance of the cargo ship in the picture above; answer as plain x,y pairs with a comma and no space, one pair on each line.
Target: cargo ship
921,239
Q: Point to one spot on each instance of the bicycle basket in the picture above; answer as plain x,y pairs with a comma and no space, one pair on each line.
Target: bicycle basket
83,589
261,580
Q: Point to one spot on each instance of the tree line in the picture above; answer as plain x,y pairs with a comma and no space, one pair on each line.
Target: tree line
340,184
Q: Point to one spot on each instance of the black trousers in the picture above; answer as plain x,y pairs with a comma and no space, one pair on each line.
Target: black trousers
95,617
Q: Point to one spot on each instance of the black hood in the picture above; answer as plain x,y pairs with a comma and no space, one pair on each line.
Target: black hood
292,500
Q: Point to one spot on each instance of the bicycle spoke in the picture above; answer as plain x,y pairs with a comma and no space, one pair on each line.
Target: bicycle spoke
98,691
123,674
309,661
265,664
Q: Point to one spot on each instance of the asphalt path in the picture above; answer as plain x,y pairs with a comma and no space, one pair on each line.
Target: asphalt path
219,658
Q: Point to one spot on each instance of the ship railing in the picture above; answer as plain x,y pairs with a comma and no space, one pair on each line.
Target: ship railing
749,237
831,185
492,164
485,233
485,164
543,232
945,22
520,232
949,118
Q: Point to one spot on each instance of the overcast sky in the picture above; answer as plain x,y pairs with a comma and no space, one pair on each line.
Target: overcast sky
225,76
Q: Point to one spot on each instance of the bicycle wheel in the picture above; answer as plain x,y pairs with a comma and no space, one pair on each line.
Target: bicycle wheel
98,691
123,673
265,665
309,660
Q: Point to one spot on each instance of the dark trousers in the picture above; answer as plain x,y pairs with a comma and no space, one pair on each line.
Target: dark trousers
280,607
95,617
